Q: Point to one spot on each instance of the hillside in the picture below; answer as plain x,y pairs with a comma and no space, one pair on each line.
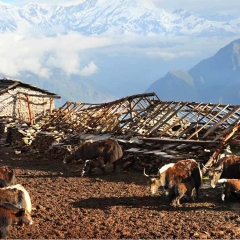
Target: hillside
215,79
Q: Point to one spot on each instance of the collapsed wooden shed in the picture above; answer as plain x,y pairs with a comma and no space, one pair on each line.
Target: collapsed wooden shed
153,121
145,115
24,101
146,126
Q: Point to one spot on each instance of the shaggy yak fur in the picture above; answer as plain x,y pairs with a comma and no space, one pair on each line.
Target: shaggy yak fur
109,150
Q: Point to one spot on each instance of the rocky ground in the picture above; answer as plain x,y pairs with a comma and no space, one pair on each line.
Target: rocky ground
112,206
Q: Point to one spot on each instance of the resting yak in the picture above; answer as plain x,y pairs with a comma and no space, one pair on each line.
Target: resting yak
109,150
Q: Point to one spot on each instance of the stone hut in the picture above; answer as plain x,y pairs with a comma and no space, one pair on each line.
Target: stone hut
24,101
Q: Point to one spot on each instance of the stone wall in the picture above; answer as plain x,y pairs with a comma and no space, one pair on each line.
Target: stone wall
15,103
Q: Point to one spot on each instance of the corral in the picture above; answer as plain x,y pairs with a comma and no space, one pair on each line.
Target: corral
66,205
152,133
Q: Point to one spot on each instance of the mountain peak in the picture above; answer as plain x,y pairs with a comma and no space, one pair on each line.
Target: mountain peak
87,17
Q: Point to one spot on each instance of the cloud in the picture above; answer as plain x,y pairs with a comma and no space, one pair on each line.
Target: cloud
90,69
166,55
24,50
39,55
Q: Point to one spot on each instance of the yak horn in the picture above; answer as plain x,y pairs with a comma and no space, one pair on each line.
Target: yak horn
145,173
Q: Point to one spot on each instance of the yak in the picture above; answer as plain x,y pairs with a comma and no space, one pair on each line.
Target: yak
8,174
11,215
226,167
176,173
109,150
16,195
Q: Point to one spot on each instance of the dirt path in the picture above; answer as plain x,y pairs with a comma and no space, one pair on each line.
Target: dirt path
113,206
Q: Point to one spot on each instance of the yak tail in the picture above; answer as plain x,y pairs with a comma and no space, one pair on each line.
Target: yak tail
197,176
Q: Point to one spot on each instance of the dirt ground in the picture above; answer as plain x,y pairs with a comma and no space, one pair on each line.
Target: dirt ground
109,206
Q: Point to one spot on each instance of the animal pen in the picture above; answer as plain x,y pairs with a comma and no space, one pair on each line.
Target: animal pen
147,127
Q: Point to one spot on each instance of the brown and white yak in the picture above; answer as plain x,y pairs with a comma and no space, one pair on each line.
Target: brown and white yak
12,215
172,174
8,174
16,195
108,151
230,187
226,167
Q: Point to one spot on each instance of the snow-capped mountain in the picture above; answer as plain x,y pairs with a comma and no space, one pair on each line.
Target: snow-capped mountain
100,50
117,17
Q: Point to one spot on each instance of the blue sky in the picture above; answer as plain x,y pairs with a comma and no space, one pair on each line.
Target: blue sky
200,6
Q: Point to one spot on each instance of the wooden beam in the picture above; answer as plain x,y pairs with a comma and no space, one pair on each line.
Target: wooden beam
40,95
30,111
216,125
179,141
28,101
213,158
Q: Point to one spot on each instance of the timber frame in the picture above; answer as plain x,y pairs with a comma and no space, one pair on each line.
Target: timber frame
152,120
145,115
146,118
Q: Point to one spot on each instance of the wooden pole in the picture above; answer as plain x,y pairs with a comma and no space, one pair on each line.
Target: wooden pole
213,158
29,110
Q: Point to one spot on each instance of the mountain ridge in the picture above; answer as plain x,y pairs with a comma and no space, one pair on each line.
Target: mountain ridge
215,79
98,17
103,18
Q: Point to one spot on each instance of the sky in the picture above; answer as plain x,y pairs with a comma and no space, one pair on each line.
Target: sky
200,6
28,50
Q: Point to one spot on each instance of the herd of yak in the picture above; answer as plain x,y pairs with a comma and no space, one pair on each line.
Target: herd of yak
179,179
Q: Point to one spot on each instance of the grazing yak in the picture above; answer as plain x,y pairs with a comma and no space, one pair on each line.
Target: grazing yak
109,150
16,195
230,186
172,174
154,179
8,174
226,167
11,215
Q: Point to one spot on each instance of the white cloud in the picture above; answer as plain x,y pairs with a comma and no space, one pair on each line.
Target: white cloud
90,69
166,55
39,55
76,54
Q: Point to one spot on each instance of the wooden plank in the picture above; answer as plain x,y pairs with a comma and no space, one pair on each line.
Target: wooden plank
210,119
179,141
216,125
40,95
220,146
